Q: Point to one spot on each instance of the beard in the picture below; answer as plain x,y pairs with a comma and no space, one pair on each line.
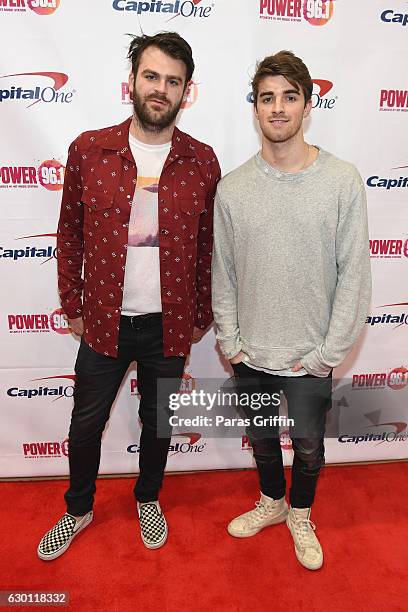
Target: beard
154,121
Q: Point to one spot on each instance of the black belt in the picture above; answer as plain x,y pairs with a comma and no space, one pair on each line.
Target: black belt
150,319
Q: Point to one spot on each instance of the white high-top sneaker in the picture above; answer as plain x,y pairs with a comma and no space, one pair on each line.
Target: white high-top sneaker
267,512
307,546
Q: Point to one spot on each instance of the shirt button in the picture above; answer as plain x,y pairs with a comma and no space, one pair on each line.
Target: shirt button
128,197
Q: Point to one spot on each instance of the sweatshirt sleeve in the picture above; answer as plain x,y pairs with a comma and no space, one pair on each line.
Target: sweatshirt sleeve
224,282
353,290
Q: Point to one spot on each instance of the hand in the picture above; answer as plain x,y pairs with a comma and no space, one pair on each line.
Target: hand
77,326
237,359
197,334
298,366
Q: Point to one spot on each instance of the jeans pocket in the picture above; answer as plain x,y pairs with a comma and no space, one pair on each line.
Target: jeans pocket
240,369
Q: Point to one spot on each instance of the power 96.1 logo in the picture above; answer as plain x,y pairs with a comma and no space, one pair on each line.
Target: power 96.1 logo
48,174
51,174
43,7
318,12
59,322
315,12
39,7
39,322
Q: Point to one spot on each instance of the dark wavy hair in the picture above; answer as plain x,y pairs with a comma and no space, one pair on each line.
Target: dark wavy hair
286,64
170,43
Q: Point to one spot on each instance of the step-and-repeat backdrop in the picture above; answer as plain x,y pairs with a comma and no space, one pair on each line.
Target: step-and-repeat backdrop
63,70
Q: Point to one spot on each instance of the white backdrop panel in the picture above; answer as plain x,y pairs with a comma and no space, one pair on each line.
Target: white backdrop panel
77,52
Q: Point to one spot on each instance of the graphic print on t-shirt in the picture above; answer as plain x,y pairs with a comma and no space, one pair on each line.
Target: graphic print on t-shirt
143,223
141,286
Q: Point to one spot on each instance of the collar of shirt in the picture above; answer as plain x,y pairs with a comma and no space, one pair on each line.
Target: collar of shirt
118,140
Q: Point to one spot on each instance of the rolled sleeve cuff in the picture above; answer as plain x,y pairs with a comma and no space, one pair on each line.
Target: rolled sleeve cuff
230,347
314,365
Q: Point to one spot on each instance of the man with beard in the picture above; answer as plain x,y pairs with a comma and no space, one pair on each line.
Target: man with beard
291,289
137,212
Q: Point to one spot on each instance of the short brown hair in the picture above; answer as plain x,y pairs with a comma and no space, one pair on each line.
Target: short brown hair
286,64
170,43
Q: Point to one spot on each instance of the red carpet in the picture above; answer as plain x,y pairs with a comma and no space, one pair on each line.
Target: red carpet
361,514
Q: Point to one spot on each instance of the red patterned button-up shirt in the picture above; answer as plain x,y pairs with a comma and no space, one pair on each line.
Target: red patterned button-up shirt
99,185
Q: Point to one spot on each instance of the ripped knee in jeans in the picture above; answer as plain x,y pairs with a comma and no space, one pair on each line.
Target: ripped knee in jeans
310,453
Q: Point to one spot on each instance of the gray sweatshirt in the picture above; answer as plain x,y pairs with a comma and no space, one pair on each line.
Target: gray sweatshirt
291,268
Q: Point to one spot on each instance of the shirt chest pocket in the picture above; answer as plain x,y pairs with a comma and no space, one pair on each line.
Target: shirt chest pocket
98,208
190,211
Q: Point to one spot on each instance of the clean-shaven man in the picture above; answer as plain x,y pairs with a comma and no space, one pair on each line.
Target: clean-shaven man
291,288
137,212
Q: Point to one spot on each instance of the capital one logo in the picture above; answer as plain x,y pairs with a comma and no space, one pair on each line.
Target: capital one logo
195,9
389,182
189,446
384,432
35,91
40,7
189,98
315,12
320,97
397,320
46,389
390,16
30,252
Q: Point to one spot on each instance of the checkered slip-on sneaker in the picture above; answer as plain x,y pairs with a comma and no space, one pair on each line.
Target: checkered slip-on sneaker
153,526
57,540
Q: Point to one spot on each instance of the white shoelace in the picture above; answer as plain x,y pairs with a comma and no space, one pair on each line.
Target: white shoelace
260,512
304,529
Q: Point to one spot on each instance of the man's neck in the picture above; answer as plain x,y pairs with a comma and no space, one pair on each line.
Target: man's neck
290,156
152,138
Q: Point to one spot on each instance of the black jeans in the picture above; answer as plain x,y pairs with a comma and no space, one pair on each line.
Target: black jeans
308,398
98,379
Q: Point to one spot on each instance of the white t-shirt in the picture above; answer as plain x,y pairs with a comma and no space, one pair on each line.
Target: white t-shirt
141,292
288,373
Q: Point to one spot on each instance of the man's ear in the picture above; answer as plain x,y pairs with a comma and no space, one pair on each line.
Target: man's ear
307,109
255,109
131,82
187,87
